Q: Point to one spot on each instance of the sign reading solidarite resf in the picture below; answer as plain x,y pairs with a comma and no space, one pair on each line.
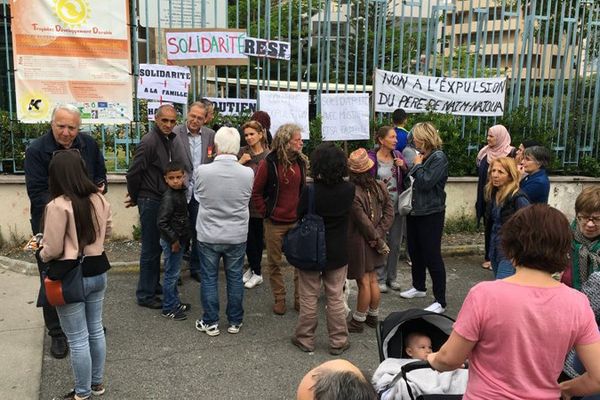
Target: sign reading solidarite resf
267,48
457,96
206,46
164,83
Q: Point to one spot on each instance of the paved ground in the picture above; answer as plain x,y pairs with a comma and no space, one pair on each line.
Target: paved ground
153,358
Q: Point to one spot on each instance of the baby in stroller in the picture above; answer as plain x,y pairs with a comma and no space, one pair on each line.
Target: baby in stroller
405,337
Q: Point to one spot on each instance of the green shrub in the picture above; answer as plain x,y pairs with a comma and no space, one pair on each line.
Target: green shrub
462,224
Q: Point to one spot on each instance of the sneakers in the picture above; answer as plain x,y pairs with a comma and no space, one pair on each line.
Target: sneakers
98,390
436,308
73,396
299,345
247,275
412,293
210,330
394,286
177,314
254,280
185,307
383,288
336,351
59,347
234,328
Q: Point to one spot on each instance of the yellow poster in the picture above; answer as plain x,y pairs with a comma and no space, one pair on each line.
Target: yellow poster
72,51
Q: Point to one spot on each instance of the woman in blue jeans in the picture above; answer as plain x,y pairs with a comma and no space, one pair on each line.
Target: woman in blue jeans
76,222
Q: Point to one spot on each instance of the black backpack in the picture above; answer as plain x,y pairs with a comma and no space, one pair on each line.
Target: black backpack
304,245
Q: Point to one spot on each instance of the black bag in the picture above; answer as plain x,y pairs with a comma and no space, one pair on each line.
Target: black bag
304,245
62,283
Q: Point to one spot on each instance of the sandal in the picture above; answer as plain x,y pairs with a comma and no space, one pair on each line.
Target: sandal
487,265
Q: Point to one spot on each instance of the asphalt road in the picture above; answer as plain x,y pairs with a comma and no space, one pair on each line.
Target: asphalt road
150,357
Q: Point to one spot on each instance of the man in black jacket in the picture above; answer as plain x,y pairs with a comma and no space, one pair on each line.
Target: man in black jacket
63,135
145,186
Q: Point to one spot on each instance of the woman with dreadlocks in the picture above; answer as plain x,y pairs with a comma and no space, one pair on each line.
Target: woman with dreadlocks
279,180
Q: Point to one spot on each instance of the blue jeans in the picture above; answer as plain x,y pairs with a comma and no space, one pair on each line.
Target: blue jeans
501,266
149,281
82,324
233,260
170,276
194,249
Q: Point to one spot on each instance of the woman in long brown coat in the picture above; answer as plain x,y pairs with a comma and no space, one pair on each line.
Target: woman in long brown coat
371,217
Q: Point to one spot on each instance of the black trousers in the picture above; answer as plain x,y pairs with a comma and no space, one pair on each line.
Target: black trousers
424,238
50,316
255,244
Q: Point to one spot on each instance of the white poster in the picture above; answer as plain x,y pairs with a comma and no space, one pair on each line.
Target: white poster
152,107
183,13
164,83
234,106
285,108
345,116
457,96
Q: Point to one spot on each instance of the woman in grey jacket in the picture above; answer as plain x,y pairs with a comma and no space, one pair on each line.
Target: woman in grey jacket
425,223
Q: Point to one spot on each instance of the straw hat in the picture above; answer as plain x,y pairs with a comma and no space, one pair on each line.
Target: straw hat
359,161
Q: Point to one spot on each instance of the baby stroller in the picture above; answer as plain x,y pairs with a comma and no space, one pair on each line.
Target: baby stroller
396,366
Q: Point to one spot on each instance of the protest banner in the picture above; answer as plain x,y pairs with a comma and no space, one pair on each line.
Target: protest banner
206,46
183,13
345,116
286,108
163,83
267,48
152,107
72,54
234,106
457,96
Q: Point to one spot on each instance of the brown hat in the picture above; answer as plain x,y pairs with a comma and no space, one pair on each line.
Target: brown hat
359,161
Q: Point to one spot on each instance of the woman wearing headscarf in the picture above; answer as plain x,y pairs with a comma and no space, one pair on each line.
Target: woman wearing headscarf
498,145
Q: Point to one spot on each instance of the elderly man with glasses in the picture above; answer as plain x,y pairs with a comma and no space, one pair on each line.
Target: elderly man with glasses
62,135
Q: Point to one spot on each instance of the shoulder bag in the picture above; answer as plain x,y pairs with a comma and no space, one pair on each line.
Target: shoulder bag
304,245
405,198
62,283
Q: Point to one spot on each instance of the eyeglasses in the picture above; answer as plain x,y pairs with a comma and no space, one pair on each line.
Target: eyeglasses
71,150
584,219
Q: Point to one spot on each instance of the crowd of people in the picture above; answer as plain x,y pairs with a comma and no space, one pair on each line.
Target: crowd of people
201,193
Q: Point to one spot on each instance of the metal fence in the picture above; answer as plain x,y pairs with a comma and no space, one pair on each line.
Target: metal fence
549,50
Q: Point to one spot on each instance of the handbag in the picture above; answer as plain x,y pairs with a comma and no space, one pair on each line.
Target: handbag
62,283
405,198
304,245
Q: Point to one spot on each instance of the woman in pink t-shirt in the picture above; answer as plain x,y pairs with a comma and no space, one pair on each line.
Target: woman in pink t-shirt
517,331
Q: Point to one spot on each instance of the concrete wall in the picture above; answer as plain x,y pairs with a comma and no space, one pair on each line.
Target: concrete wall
14,203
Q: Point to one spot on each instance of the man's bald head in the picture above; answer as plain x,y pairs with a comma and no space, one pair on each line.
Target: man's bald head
335,380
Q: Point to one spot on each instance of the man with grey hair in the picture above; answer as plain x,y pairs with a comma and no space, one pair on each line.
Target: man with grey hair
196,142
62,135
223,188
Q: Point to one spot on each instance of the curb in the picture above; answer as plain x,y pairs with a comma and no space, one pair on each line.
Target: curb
27,268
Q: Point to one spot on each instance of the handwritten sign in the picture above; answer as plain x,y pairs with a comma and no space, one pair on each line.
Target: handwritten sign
345,116
206,47
164,83
285,108
267,48
234,106
457,96
152,107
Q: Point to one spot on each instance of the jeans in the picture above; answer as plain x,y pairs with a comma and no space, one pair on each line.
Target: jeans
170,276
255,244
233,261
501,266
389,272
424,236
194,249
82,324
149,281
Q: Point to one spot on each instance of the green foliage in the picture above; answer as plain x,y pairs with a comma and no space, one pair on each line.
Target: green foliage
462,223
136,232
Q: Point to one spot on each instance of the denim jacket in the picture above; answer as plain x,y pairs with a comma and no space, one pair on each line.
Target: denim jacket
430,177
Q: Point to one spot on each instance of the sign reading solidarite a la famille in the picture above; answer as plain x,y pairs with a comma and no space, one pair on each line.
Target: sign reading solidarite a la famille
206,46
164,83
457,96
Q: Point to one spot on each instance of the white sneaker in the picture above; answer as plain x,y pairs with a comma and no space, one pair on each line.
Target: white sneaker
412,293
210,330
383,288
233,329
436,308
395,286
254,281
247,275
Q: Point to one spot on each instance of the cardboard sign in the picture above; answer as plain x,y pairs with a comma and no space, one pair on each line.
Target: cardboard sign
286,108
267,48
457,96
164,83
345,116
206,46
234,106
